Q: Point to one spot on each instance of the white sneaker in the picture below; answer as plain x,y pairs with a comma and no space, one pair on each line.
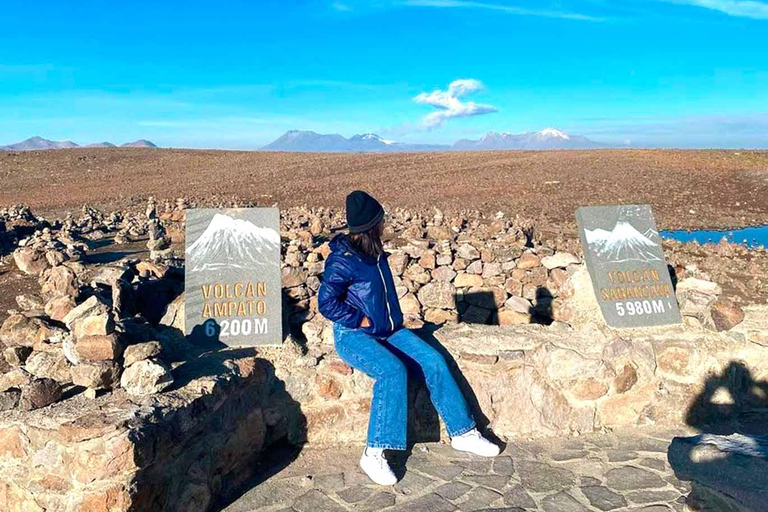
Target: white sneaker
474,442
376,466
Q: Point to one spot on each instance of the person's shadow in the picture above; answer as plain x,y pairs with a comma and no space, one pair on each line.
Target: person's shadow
730,402
541,311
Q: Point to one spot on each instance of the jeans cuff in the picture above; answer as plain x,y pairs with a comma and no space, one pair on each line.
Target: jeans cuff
386,446
463,430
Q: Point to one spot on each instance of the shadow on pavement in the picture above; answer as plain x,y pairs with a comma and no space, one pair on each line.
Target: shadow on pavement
727,463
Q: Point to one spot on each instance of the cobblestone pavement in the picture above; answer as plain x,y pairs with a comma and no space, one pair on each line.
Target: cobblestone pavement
625,471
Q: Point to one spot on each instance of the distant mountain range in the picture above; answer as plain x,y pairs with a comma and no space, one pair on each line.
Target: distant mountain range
298,140
309,141
549,138
34,143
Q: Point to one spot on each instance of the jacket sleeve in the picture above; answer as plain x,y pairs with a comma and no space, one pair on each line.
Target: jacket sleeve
330,297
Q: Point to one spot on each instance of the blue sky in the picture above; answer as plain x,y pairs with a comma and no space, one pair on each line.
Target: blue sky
684,73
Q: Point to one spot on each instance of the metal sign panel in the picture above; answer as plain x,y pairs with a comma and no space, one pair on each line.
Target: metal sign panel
623,252
232,279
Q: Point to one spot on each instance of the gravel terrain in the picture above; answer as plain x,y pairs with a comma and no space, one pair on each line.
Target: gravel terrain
688,189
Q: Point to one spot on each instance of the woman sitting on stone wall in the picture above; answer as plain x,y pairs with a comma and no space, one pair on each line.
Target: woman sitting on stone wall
358,295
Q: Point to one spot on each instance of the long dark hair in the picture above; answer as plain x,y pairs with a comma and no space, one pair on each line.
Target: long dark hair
369,242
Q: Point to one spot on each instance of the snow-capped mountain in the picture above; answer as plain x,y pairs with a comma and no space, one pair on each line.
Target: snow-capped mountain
622,243
233,243
370,138
548,138
553,133
370,142
298,140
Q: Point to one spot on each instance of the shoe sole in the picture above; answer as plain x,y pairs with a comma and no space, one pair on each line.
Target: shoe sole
475,453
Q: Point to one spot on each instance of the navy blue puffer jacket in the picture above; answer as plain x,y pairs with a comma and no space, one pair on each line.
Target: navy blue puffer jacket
356,285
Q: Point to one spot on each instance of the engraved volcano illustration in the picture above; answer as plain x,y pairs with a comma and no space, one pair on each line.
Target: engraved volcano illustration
623,243
233,243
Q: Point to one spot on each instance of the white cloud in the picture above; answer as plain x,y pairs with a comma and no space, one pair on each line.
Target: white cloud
510,9
449,104
740,8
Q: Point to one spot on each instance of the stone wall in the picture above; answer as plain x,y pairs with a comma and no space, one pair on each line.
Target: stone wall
173,452
478,270
536,380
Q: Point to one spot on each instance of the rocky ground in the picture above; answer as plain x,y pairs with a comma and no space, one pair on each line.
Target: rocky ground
688,189
626,471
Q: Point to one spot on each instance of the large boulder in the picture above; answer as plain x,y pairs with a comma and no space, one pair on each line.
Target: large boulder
106,347
146,377
16,378
697,304
528,261
23,330
30,261
726,314
437,294
466,280
292,277
59,281
174,315
58,307
752,327
108,275
409,304
468,252
92,317
578,305
140,352
39,393
30,301
559,260
96,375
93,305
123,299
52,365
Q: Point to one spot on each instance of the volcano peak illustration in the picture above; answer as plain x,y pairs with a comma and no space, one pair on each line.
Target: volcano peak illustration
622,243
233,243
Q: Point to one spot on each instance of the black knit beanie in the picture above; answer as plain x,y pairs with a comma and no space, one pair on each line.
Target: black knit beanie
363,211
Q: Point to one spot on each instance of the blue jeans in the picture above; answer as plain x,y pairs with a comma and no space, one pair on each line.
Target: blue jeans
373,356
